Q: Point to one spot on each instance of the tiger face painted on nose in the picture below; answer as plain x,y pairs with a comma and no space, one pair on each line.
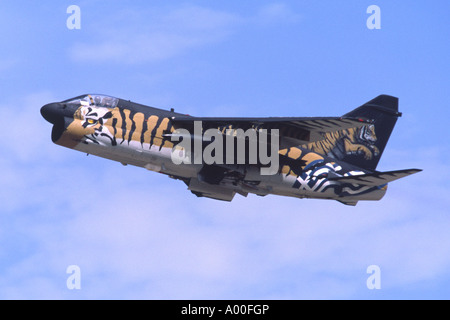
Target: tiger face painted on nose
96,124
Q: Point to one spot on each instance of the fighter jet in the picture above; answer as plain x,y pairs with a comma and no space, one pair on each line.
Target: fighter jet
217,157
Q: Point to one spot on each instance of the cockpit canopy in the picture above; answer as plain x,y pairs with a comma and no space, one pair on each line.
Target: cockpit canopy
97,100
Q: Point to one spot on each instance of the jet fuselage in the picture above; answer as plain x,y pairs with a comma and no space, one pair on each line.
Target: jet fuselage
139,135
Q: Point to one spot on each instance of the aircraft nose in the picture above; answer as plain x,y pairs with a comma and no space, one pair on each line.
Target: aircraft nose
52,112
56,111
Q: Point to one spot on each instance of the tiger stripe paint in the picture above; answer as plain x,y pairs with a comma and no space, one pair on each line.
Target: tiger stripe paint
150,125
117,124
350,140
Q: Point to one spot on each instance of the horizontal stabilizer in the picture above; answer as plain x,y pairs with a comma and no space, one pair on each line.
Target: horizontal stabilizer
376,178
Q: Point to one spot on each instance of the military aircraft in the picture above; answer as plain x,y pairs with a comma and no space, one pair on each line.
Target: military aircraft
310,157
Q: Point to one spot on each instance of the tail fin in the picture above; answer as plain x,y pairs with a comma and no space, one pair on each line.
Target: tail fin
365,147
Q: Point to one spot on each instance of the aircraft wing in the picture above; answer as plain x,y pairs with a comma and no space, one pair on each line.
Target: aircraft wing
293,131
376,178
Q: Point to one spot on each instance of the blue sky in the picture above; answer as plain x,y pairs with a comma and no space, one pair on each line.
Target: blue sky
138,234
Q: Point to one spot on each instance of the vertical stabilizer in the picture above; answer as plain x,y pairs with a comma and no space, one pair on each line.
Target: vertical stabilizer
364,146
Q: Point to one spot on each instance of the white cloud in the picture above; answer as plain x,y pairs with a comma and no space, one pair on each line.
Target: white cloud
24,127
137,241
137,234
7,64
155,35
276,13
152,36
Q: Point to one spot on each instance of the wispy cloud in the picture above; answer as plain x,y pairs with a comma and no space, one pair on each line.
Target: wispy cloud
24,126
136,234
155,35
276,13
7,64
150,36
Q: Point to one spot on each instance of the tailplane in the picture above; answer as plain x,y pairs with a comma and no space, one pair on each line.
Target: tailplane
376,178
